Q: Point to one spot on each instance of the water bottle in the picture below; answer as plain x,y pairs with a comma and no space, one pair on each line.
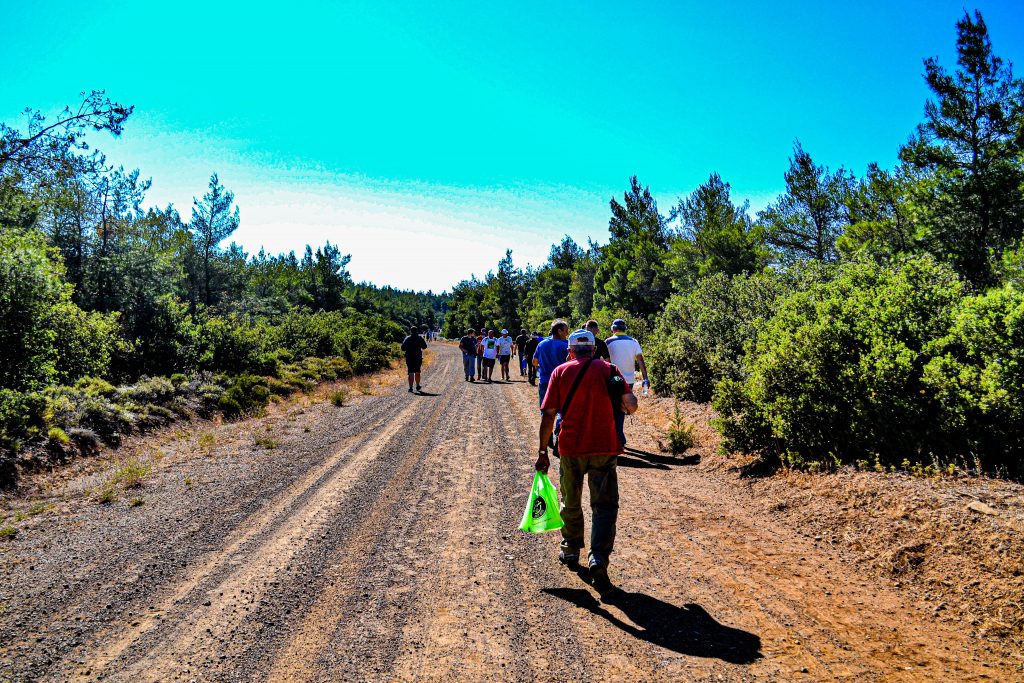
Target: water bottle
647,387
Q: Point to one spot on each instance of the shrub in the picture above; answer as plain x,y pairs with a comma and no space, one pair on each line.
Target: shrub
700,337
58,436
837,374
131,474
246,393
106,495
265,441
338,397
976,375
7,531
680,433
22,416
206,442
177,379
94,386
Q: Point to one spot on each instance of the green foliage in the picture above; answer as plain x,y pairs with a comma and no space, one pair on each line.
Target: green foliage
838,373
338,397
58,436
700,338
131,474
265,441
976,374
716,236
22,417
631,273
806,222
972,144
681,435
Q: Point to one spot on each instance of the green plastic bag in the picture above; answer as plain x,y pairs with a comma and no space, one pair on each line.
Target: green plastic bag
542,507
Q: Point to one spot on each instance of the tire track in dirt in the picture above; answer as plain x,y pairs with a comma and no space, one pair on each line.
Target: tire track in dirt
350,629
243,570
482,617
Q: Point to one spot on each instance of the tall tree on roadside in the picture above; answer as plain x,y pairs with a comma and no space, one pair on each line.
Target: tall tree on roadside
972,140
632,275
805,222
884,218
716,236
212,221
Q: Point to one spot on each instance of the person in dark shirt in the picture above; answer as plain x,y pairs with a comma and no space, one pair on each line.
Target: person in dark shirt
528,351
468,346
600,347
412,347
521,342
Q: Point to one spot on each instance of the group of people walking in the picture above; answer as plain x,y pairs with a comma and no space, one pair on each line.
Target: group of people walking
585,389
480,353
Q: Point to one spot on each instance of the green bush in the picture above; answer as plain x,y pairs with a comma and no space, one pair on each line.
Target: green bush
837,374
246,393
58,436
976,374
699,338
44,336
22,417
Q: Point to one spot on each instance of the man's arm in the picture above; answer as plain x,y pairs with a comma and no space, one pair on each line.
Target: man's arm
643,366
629,404
547,426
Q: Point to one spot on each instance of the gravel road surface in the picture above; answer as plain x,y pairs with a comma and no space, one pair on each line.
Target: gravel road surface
378,541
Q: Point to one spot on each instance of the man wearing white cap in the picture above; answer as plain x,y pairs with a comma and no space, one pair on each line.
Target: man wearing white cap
505,343
585,393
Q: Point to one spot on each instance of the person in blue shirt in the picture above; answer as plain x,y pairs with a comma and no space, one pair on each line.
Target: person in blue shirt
550,353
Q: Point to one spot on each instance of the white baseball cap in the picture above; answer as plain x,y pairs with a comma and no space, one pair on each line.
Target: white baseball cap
504,331
581,338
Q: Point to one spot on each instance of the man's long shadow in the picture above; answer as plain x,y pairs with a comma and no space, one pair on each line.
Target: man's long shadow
688,630
626,461
663,459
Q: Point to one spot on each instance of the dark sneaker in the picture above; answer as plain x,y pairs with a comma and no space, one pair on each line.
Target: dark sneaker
569,559
599,578
418,387
410,390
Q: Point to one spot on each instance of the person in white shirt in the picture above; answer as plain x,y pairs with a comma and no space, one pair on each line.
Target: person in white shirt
626,355
505,343
490,348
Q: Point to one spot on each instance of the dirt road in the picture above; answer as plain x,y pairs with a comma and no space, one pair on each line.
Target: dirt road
378,541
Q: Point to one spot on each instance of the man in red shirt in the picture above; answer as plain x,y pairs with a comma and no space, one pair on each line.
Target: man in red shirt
588,444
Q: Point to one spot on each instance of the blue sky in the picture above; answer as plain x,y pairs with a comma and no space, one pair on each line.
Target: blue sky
426,138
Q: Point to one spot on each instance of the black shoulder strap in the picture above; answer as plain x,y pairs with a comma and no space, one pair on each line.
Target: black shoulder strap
575,385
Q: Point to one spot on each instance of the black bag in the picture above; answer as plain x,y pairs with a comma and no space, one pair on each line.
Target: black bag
616,389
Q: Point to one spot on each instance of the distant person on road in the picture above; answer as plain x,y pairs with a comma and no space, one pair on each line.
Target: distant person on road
505,343
588,446
625,354
528,351
600,347
468,346
521,342
490,354
413,346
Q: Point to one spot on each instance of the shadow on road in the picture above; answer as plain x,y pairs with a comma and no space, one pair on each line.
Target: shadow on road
626,461
688,630
426,393
663,459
